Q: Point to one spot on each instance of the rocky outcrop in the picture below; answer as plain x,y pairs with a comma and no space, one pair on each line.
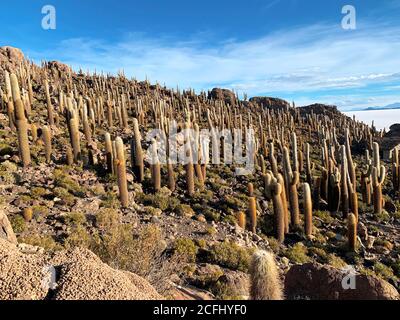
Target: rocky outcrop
6,231
271,103
318,108
390,140
11,54
223,94
66,275
321,282
58,66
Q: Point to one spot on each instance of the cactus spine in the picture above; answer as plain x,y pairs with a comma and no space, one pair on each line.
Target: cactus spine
264,277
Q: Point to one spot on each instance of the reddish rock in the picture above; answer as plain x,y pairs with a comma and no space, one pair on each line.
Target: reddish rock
319,282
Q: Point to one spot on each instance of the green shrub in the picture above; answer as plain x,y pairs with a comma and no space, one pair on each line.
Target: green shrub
186,248
46,242
18,223
297,254
75,218
230,255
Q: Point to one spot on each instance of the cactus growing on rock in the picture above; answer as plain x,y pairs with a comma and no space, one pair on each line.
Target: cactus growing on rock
241,218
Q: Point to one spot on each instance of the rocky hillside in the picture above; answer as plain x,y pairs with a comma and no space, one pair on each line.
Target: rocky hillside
78,192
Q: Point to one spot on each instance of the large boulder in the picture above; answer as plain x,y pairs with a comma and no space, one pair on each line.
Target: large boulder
13,55
223,94
6,231
271,103
66,275
320,282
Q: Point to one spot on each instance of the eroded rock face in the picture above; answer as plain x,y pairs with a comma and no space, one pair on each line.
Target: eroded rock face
223,94
80,274
14,55
271,103
319,282
6,231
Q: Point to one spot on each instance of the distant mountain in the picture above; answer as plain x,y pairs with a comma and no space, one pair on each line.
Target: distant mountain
388,107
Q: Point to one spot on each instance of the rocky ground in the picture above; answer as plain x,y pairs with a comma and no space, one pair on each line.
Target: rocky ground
185,247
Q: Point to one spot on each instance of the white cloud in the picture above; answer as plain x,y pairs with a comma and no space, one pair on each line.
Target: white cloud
305,60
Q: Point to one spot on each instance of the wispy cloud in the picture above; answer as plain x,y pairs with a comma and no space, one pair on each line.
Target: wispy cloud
300,62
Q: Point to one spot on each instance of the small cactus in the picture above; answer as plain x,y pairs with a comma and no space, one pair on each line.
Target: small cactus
352,232
241,217
253,214
264,277
28,214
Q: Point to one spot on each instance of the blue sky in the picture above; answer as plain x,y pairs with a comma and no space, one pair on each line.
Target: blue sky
292,49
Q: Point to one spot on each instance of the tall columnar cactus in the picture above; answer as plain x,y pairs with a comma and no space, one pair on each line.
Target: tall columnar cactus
46,132
155,167
75,138
350,164
121,172
376,157
253,214
34,132
307,205
281,181
316,192
308,164
109,153
264,277
137,153
171,176
395,169
292,178
352,231
274,192
366,181
378,177
353,198
250,189
50,113
344,191
272,159
21,122
334,195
